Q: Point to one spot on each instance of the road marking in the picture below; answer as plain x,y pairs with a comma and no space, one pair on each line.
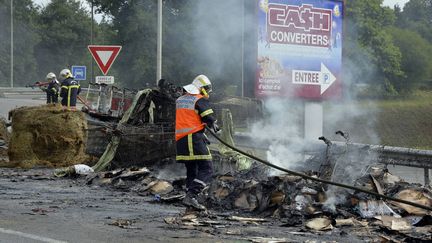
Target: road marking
30,236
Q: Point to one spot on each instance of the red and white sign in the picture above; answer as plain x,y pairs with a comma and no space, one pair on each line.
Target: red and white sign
299,25
104,56
323,78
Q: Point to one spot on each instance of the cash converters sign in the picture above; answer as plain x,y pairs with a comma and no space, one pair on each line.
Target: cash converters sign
299,48
299,25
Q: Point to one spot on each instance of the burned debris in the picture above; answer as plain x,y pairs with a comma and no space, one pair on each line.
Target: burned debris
249,198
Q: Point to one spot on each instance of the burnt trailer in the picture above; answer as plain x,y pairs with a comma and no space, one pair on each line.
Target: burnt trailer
145,133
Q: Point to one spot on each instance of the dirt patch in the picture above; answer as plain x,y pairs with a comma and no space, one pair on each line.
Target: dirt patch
47,136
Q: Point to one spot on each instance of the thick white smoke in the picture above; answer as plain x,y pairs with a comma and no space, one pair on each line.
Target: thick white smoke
282,130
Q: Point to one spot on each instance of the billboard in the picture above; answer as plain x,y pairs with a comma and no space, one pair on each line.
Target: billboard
299,49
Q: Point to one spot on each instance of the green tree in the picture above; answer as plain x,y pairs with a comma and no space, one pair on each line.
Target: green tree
369,46
64,28
25,38
416,62
419,10
417,16
198,37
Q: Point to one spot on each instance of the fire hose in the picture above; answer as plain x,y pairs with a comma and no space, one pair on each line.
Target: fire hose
304,176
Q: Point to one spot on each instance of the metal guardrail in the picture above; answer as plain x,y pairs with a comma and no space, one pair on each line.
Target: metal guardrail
399,156
387,155
6,92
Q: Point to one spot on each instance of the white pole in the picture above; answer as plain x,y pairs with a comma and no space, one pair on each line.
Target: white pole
159,43
11,46
242,54
91,43
313,120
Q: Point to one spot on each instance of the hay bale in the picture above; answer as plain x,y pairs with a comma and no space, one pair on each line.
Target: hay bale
4,138
3,130
47,136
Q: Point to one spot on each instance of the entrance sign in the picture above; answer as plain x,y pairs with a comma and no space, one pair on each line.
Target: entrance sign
323,78
104,56
299,49
79,72
105,79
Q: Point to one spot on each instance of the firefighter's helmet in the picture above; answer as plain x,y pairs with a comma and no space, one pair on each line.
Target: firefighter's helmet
200,85
65,73
50,77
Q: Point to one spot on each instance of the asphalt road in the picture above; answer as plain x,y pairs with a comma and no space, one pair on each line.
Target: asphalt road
37,207
7,104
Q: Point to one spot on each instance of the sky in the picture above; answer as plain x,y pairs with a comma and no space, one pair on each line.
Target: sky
391,3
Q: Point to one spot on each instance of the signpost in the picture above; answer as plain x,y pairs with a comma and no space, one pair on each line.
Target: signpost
104,56
299,53
79,72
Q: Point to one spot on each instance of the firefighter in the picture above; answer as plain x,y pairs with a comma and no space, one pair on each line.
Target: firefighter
193,112
70,89
53,88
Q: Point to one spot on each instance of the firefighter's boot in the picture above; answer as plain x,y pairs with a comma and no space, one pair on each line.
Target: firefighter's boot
191,201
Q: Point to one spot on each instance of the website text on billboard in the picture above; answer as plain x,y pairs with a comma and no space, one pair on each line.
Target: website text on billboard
299,48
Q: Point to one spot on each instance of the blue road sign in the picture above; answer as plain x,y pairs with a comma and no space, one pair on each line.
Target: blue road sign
79,72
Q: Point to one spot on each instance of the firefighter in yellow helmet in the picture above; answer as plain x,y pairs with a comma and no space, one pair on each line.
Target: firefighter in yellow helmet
53,88
193,112
70,89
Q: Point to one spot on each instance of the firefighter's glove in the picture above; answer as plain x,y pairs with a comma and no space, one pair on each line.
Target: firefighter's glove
215,127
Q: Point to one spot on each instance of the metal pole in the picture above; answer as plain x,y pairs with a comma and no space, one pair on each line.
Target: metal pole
11,47
91,42
159,43
242,49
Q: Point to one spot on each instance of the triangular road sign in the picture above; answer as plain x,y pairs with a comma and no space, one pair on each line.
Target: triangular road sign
104,56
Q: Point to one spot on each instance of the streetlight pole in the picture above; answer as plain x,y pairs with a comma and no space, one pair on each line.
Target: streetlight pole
159,43
11,46
242,48
91,41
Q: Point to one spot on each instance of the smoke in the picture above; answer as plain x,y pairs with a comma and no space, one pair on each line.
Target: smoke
217,38
281,130
169,171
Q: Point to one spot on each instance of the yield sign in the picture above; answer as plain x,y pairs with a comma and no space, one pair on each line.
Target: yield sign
104,56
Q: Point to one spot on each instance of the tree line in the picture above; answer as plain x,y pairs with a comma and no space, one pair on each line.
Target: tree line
388,49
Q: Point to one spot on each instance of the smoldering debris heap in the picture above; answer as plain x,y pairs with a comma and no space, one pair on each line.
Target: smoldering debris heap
47,136
296,202
249,197
141,181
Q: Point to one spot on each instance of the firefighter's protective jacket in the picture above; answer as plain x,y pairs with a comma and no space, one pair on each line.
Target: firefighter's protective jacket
69,92
193,112
52,92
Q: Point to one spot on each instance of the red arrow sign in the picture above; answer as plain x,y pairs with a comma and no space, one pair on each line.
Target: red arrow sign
104,56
